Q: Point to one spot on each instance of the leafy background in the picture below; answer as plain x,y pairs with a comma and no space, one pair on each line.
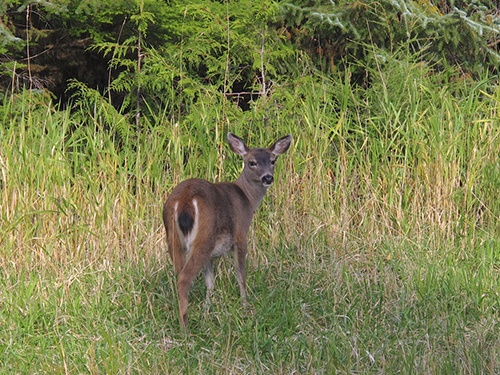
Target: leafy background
153,51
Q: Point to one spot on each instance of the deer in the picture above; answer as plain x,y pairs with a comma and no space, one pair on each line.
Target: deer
205,220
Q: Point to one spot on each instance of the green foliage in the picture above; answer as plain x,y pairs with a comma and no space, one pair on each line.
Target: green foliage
464,35
95,111
214,47
164,56
7,39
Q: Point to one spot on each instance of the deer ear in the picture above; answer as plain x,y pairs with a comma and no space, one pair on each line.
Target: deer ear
281,145
237,145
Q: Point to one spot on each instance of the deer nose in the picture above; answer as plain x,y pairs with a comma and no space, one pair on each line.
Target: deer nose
267,180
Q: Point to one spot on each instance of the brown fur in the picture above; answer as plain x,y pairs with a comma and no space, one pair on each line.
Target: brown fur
204,220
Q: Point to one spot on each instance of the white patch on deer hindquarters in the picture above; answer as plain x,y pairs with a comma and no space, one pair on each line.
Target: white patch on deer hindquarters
191,236
188,238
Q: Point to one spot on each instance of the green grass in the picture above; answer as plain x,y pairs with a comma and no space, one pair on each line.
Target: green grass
376,251
347,316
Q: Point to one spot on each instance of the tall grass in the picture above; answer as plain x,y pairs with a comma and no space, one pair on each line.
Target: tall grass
376,251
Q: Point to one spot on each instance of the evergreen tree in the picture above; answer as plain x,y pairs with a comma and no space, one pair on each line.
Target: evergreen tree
453,32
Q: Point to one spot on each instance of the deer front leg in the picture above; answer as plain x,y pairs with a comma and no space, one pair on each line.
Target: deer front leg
209,280
240,254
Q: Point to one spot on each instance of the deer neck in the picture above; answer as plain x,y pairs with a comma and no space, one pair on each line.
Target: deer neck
254,193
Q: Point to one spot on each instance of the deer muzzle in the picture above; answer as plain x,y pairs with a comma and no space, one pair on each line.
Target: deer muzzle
267,180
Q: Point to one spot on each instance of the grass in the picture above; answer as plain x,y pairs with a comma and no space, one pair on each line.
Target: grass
386,316
376,251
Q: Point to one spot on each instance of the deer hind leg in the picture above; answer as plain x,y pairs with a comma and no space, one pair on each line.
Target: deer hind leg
197,260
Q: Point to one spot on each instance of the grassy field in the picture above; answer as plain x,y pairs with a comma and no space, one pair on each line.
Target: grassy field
376,251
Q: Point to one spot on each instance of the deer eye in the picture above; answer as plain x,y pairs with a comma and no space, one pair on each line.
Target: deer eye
273,161
252,163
